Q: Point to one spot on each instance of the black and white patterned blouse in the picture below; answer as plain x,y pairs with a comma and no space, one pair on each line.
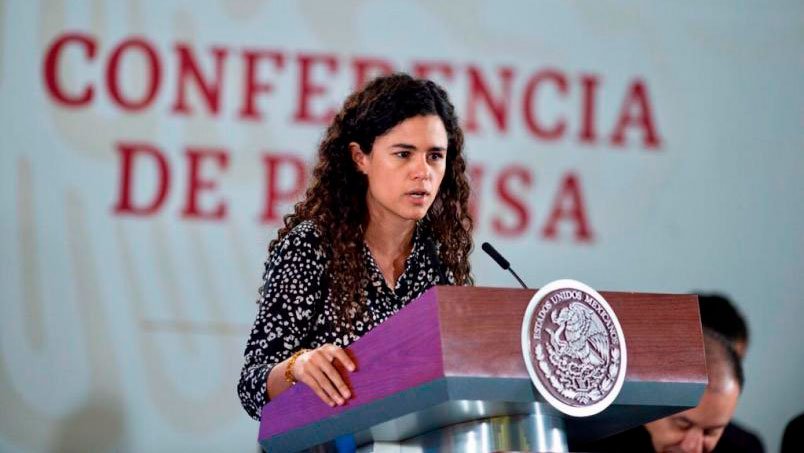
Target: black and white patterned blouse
295,310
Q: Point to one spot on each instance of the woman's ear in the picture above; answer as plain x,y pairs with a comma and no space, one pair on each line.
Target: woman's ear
359,157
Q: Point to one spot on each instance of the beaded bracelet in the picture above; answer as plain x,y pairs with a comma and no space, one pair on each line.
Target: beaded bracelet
289,368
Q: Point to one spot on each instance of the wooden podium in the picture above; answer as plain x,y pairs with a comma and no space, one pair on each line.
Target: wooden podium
446,373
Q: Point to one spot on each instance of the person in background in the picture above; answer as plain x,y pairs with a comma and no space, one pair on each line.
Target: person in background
793,437
385,218
720,315
695,430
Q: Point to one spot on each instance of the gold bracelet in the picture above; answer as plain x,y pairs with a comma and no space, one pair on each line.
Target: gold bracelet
289,368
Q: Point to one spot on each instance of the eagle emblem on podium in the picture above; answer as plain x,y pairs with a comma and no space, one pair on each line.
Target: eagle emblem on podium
574,348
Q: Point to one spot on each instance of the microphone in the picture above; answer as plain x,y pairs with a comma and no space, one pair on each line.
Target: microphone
495,255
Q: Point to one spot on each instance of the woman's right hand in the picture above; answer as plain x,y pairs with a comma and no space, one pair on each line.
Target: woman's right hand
315,369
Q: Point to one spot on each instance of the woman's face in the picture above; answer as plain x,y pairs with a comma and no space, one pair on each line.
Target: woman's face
404,169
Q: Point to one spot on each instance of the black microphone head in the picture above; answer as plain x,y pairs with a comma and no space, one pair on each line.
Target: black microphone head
492,252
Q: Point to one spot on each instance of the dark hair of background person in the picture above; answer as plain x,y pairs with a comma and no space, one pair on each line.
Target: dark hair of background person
720,315
336,198
719,350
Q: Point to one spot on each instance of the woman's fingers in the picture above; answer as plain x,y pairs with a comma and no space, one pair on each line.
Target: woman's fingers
336,380
343,357
316,370
326,385
311,382
304,371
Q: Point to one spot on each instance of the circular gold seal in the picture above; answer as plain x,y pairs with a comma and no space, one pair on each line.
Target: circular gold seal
574,348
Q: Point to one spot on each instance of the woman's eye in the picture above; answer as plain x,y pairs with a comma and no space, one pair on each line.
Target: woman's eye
436,156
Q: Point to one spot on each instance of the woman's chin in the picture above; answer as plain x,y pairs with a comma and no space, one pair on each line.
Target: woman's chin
413,215
419,213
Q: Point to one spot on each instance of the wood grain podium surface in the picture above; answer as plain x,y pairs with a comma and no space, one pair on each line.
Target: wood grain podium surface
462,344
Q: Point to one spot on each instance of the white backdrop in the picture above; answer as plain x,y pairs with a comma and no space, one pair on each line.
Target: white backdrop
631,146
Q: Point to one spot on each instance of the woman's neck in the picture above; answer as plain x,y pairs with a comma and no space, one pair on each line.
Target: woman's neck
390,244
390,240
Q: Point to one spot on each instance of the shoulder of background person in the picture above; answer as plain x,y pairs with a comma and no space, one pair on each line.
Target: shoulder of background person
736,439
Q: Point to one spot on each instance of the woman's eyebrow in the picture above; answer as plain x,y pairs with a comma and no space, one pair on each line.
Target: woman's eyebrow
409,147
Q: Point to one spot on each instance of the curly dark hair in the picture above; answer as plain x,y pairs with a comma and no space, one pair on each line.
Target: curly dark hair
336,198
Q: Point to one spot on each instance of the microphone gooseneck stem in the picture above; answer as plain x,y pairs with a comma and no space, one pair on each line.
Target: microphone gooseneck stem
517,278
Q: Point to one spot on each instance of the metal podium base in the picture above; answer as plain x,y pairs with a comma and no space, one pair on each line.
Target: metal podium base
532,432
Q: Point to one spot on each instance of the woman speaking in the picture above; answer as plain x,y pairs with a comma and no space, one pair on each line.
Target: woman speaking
384,219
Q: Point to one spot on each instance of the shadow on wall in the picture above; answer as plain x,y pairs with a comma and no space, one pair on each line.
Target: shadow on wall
97,426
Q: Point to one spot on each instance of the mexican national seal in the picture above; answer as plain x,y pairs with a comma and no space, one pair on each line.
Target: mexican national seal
574,348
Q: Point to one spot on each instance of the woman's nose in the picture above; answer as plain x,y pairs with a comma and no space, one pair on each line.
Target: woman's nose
420,168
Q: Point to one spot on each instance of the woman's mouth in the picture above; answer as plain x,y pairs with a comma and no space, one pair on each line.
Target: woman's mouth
418,196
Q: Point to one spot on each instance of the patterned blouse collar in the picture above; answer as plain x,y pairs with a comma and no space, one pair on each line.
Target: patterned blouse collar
416,253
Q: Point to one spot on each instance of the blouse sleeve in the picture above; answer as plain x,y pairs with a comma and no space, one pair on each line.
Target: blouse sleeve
290,296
